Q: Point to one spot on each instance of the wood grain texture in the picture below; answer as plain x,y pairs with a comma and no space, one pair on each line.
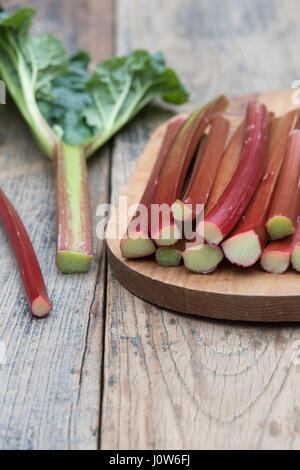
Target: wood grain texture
179,382
229,293
50,382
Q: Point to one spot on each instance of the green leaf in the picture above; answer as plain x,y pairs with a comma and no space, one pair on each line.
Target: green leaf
122,86
18,20
81,109
29,65
48,56
70,100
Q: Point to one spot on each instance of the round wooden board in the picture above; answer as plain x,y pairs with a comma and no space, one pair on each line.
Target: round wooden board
229,293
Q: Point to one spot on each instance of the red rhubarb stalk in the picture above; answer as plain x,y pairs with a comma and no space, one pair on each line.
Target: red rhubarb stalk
198,256
30,271
204,171
277,255
164,231
246,242
227,212
227,167
283,213
137,243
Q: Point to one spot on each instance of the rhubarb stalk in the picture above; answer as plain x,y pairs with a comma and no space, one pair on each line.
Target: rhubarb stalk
30,271
238,193
246,242
170,256
204,172
229,163
137,243
198,256
296,248
283,213
277,255
164,230
74,231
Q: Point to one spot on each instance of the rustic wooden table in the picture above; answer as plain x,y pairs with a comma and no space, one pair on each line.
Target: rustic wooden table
105,369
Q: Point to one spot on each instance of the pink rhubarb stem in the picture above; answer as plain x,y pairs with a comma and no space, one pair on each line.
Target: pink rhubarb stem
175,168
229,163
30,271
137,243
284,208
204,171
246,242
276,257
199,256
227,212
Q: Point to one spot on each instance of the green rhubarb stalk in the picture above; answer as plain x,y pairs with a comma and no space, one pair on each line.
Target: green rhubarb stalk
74,240
170,256
72,114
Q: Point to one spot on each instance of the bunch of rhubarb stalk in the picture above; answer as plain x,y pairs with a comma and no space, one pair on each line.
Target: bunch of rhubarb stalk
237,192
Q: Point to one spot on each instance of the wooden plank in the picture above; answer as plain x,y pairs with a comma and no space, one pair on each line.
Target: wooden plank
177,382
50,383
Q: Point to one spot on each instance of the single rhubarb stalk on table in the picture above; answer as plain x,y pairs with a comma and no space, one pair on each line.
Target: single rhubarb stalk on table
204,171
246,242
227,212
198,256
283,213
164,230
74,232
137,243
277,255
30,271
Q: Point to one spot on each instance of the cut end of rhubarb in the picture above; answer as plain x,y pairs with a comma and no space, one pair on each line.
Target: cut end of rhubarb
181,212
167,236
204,259
69,262
296,258
40,307
279,226
276,263
212,233
243,249
168,257
135,246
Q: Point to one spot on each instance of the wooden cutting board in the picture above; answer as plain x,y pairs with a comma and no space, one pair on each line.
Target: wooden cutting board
230,292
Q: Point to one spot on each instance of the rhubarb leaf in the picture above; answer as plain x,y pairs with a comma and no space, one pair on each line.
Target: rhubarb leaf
90,109
122,86
81,109
65,112
29,65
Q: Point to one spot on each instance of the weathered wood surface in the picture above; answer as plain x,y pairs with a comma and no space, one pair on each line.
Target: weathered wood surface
50,384
172,381
169,381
